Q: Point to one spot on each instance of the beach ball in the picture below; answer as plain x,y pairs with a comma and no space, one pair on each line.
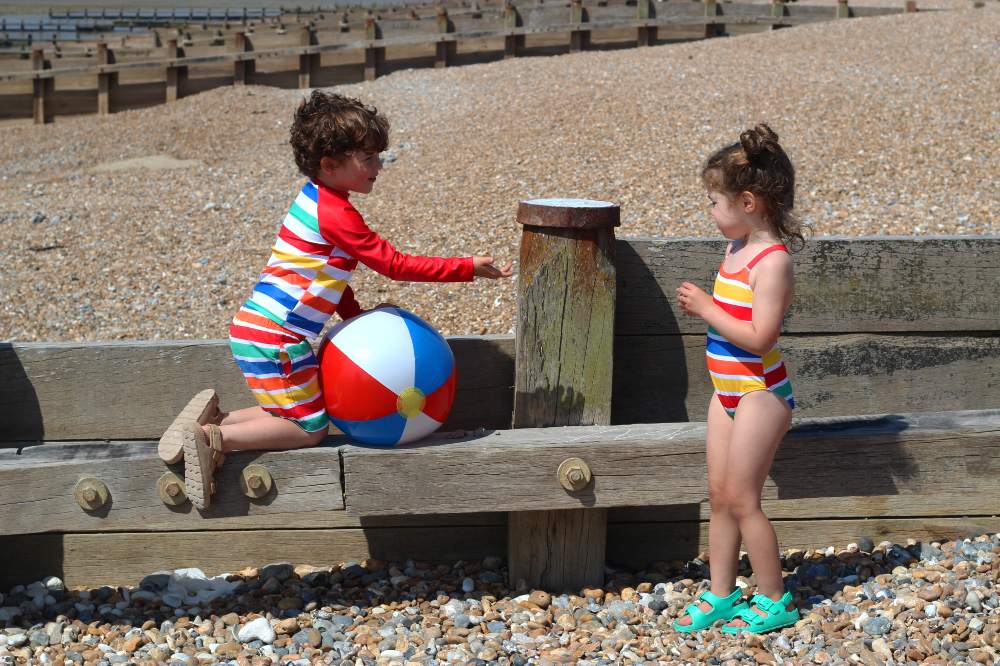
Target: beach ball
388,377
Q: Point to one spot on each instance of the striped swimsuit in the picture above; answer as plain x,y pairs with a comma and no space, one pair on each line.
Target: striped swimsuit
734,371
305,281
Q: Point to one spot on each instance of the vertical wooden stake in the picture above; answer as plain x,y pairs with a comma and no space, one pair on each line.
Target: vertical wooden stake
444,51
107,82
176,75
374,55
243,70
42,89
646,35
579,40
712,11
911,6
777,13
843,9
308,62
512,43
565,328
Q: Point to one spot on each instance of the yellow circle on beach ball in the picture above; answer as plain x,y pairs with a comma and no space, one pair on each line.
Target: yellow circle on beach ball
410,402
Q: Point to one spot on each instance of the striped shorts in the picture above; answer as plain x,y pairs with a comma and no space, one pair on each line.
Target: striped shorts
280,368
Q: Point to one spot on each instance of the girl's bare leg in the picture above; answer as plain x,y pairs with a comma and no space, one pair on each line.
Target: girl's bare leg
723,529
762,419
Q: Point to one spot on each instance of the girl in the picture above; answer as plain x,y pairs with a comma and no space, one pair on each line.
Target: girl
751,187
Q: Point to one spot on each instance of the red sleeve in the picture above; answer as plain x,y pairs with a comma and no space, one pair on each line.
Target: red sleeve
348,306
342,225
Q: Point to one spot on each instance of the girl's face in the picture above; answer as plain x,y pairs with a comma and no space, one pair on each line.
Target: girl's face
356,173
730,215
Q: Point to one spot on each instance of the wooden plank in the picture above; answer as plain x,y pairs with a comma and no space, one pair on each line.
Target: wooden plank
944,454
848,285
663,378
36,489
125,558
639,544
133,390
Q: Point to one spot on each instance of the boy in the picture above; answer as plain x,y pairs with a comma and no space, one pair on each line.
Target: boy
336,141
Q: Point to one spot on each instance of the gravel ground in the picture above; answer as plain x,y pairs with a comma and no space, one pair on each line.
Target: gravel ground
925,603
889,120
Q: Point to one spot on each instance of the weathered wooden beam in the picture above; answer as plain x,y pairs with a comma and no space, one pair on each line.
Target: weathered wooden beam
646,35
374,53
512,43
308,62
126,557
910,6
832,375
943,454
107,82
712,29
579,38
243,70
42,89
133,390
176,74
843,285
843,9
778,11
36,489
444,51
565,313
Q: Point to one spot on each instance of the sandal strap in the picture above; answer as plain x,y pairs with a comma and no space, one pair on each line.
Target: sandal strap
768,605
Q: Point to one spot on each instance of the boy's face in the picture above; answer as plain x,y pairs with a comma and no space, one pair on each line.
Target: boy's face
355,173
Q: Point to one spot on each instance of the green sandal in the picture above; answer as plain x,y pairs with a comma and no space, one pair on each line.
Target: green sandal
723,608
778,615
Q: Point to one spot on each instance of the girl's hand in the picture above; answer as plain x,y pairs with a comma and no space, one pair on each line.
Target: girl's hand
693,300
483,267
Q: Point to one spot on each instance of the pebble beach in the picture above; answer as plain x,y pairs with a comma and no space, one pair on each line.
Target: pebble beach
926,603
154,223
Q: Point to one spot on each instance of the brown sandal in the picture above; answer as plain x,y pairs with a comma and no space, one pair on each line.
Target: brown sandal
203,408
202,454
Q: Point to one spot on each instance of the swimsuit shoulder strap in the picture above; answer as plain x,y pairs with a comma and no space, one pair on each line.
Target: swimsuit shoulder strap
763,253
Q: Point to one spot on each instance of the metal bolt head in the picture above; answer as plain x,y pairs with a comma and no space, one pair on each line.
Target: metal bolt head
256,481
574,474
170,487
91,494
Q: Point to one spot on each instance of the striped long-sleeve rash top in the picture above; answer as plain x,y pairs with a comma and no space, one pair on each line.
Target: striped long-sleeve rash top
319,245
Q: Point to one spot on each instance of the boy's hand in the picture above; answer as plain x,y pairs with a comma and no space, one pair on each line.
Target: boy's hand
693,300
483,267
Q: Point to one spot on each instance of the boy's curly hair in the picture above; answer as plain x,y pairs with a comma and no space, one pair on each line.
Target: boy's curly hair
757,163
330,125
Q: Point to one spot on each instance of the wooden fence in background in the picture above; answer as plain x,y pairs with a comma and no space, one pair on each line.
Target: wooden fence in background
357,49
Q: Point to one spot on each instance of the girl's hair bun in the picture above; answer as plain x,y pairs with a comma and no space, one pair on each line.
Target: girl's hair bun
758,141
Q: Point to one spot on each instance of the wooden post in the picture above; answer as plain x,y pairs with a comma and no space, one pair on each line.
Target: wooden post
843,9
579,40
308,62
107,82
42,92
911,6
711,11
345,24
777,13
444,51
374,55
243,70
176,75
565,327
646,36
512,44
